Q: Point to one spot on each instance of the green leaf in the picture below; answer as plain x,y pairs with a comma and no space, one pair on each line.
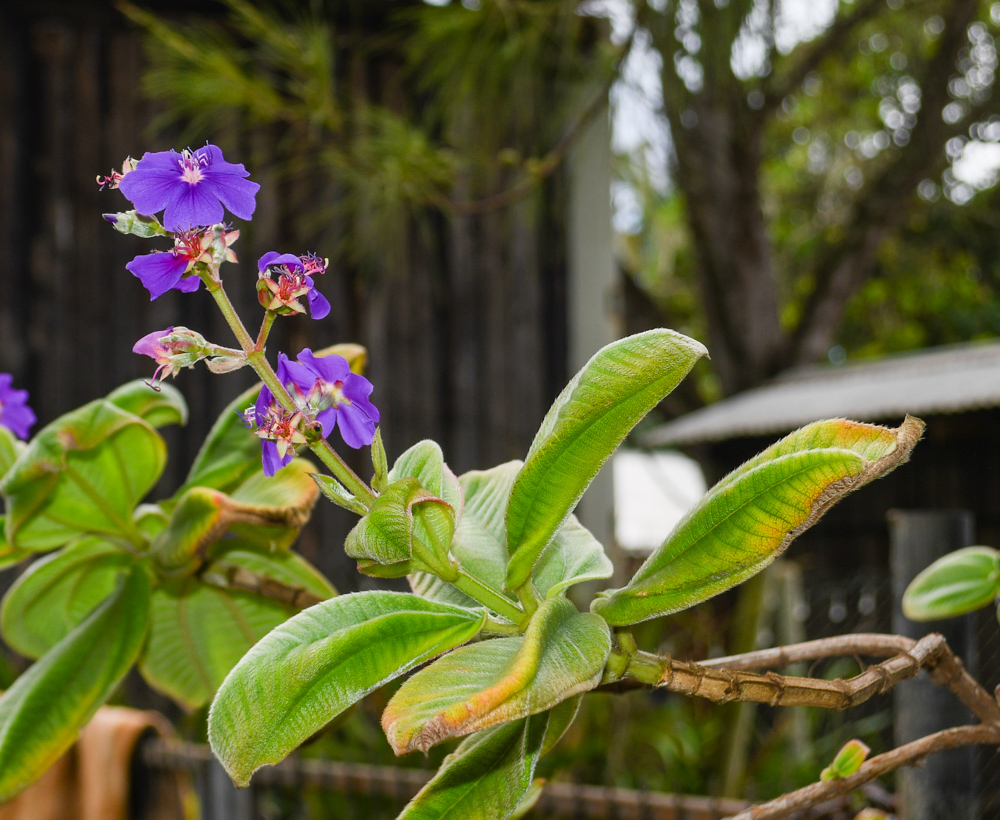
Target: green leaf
314,666
424,461
561,654
486,777
10,448
159,407
380,466
230,452
385,534
59,591
561,717
750,517
45,708
584,426
847,762
199,631
83,473
9,556
480,544
336,492
960,582
279,505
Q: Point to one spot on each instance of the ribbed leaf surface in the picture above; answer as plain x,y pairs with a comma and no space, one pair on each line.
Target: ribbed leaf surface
316,665
750,517
584,426
561,654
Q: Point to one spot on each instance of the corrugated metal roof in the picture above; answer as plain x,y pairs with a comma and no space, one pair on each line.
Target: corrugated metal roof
941,380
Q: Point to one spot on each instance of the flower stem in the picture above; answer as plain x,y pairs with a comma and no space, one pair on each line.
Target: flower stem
265,329
489,597
256,359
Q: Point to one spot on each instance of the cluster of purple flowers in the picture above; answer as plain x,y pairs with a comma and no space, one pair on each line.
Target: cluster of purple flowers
325,392
194,189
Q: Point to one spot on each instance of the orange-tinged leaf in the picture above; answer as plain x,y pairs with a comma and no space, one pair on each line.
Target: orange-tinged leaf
750,517
561,654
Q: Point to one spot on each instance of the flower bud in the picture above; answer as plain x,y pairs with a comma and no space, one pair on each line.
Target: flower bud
172,349
131,222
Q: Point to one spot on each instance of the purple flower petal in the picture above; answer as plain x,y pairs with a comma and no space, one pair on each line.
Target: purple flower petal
271,460
332,368
358,389
238,195
15,414
158,271
148,344
274,258
356,428
217,163
193,204
319,305
151,185
188,284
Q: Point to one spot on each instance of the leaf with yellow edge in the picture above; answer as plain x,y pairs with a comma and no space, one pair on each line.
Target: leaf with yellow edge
750,517
561,654
202,516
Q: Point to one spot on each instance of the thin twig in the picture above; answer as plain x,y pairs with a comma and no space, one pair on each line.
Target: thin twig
905,755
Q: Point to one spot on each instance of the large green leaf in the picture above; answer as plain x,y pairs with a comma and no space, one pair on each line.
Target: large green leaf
480,543
199,629
486,777
750,517
316,665
45,708
279,505
84,472
159,407
561,654
57,592
960,582
584,426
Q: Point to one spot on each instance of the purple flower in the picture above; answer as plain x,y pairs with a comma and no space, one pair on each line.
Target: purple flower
326,391
161,271
293,281
191,187
15,414
172,349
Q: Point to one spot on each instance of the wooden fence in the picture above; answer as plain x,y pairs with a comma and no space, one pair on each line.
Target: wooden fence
467,338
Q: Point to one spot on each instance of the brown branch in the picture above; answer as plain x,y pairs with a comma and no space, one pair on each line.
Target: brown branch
817,51
907,754
232,576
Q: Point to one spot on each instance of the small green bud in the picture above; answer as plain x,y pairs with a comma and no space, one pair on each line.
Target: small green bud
134,223
847,761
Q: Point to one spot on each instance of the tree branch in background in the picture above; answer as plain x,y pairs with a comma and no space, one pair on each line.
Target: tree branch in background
776,87
882,207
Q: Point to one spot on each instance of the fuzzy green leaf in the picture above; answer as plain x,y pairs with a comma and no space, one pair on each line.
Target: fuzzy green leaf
45,708
57,592
83,473
10,448
267,510
9,556
584,426
486,777
159,407
480,544
750,517
316,665
199,631
963,581
561,654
